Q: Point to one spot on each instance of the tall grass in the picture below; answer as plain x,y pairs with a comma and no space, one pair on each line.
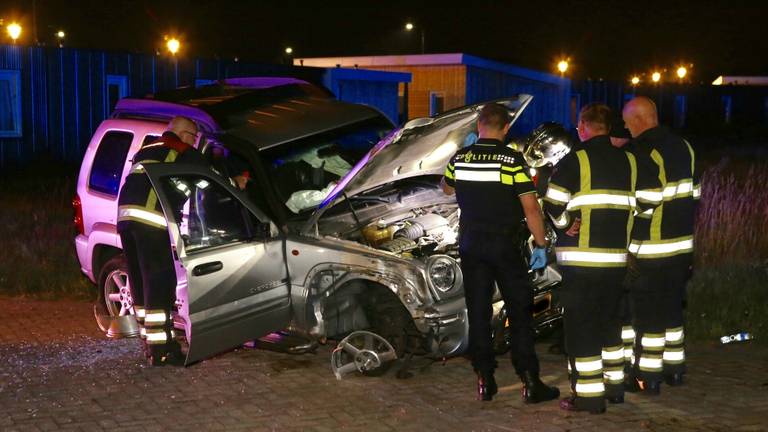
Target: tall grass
732,222
37,255
728,292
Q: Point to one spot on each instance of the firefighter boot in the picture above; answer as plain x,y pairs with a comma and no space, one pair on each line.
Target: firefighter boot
674,380
535,391
486,386
569,404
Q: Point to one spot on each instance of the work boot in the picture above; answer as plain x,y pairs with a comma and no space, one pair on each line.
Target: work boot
486,386
535,391
569,404
636,385
169,354
674,380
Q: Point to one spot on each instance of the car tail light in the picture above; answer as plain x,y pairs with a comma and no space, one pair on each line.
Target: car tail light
77,206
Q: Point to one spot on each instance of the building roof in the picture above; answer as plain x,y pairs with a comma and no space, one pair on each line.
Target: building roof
428,60
741,80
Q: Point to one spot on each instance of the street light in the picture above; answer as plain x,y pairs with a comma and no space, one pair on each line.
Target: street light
409,27
656,77
289,50
635,80
14,31
60,34
681,72
173,45
562,66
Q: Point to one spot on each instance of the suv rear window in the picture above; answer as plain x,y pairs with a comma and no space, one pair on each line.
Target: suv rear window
109,162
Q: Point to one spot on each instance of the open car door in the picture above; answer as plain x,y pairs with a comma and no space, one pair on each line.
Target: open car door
231,271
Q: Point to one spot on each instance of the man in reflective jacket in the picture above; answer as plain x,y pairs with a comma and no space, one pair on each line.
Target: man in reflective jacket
143,231
494,193
662,242
591,199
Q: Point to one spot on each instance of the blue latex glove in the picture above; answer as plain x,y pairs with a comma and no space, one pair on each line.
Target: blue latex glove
538,258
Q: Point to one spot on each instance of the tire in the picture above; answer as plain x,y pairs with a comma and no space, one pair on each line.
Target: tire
390,319
113,287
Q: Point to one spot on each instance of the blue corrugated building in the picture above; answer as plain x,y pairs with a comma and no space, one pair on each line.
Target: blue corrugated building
52,99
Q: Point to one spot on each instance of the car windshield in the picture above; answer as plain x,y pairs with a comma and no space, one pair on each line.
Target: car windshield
305,170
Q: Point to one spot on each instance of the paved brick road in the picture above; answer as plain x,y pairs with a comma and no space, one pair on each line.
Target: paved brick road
57,372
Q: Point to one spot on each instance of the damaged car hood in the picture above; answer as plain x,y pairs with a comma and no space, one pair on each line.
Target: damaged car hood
422,146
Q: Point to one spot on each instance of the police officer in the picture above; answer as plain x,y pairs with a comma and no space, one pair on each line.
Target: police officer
494,193
143,232
591,199
662,241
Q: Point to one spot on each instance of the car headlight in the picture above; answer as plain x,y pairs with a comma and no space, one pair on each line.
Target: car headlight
444,276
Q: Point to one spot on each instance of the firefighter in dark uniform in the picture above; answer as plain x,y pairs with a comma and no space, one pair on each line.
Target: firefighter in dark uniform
662,242
143,231
591,199
494,193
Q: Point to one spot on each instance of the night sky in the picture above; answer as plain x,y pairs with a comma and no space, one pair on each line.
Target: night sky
610,39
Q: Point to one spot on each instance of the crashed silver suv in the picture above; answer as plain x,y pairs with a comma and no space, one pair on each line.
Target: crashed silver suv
316,248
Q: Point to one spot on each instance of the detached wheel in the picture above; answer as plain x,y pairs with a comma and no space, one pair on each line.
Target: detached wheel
114,287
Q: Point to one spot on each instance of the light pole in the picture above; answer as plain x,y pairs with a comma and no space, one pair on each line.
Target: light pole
409,27
60,35
681,73
656,77
562,66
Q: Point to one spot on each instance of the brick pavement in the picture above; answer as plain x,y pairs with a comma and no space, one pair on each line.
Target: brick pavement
59,373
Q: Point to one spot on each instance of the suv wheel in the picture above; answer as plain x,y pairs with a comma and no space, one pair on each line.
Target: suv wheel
114,288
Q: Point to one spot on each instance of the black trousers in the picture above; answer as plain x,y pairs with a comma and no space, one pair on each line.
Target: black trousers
487,258
592,299
152,277
657,297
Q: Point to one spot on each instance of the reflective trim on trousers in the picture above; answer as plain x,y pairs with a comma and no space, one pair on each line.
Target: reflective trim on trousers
589,364
590,388
674,336
653,341
613,354
674,355
156,336
614,376
155,317
628,334
650,364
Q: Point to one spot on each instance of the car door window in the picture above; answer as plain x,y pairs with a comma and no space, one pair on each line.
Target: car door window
208,215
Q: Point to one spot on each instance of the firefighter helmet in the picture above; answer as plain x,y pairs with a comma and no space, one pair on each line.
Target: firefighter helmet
547,144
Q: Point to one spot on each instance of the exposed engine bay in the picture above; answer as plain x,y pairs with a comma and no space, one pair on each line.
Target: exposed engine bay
418,233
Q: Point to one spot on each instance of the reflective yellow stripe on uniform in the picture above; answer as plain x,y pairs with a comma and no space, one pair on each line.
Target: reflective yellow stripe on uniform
156,336
680,189
653,196
591,257
557,194
674,336
155,317
464,171
141,214
661,248
613,364
673,355
602,199
589,380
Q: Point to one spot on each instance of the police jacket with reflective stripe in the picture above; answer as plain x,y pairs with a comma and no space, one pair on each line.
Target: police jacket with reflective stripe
596,184
667,230
489,177
137,201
